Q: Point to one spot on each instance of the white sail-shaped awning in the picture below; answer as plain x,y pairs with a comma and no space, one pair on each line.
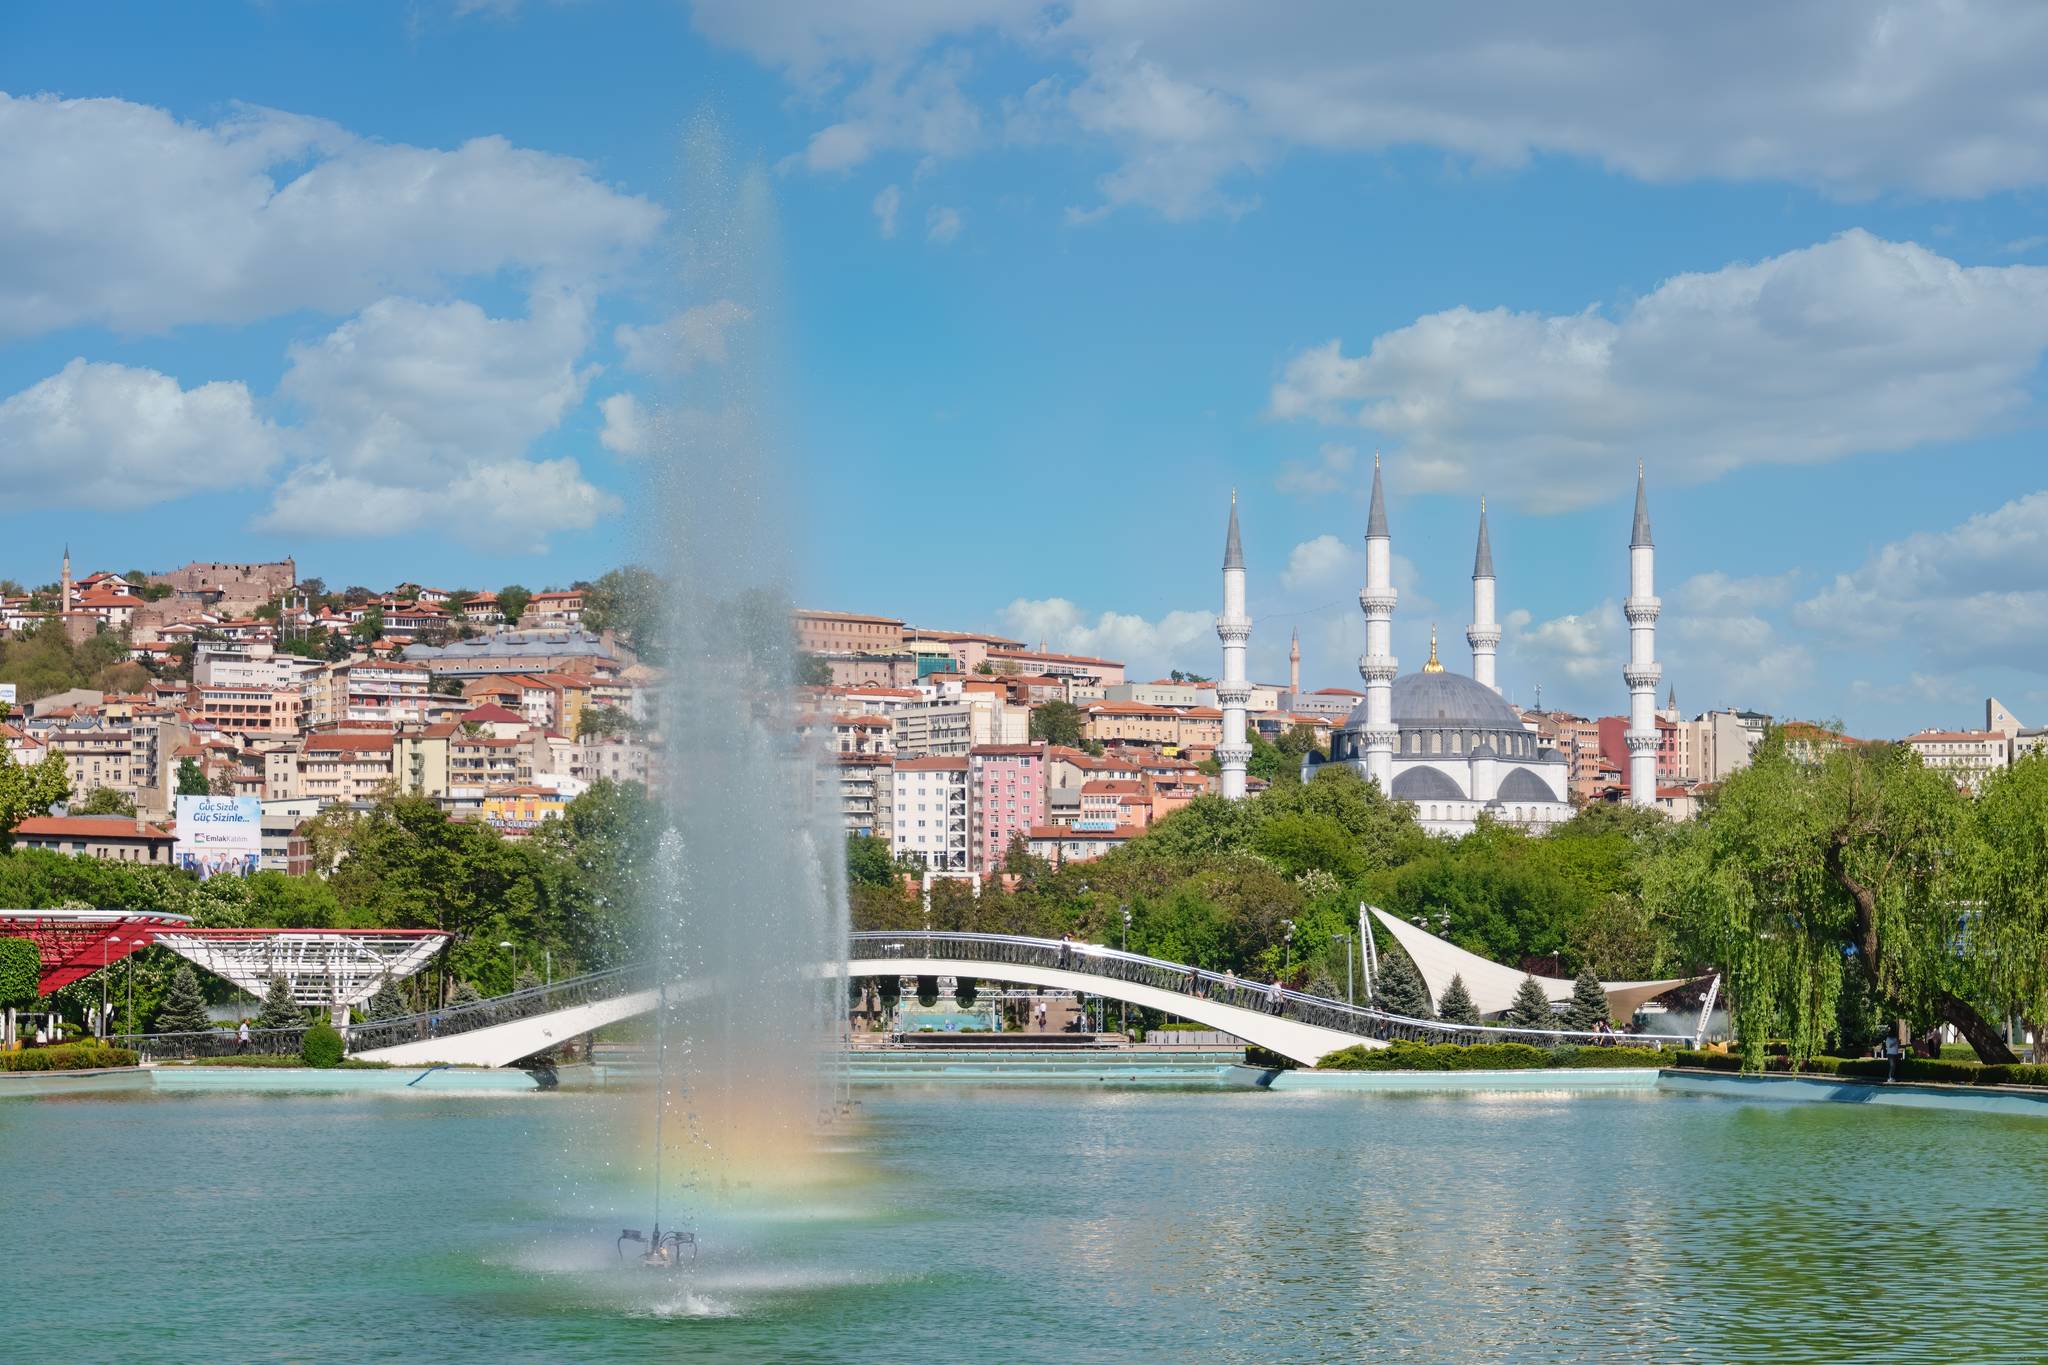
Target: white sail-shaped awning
1493,986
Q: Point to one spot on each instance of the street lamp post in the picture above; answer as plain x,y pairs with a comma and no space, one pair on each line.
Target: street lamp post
1123,1009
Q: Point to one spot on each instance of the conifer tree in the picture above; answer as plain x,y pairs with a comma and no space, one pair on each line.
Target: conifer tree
1588,1007
387,1003
279,1009
1400,990
1456,1007
1530,1008
184,1008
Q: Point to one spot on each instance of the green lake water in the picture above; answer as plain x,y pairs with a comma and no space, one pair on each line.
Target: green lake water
1029,1225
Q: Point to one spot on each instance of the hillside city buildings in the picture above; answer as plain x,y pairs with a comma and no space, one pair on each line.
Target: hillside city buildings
261,685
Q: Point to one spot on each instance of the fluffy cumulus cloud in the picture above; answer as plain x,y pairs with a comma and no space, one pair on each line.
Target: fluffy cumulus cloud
699,335
1854,345
1323,563
418,414
105,435
627,429
266,212
1193,97
1147,645
1976,593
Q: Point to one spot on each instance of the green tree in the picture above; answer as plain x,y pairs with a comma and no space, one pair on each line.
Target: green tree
1456,1007
1400,989
21,973
1058,722
192,778
1792,861
279,1010
183,1009
387,1003
634,602
1588,1007
105,801
26,792
868,862
2009,935
599,721
512,600
1530,1008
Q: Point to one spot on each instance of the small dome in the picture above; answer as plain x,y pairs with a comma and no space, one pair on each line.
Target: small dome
1426,784
1523,785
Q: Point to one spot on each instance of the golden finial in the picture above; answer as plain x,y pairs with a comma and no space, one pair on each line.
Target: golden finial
1434,665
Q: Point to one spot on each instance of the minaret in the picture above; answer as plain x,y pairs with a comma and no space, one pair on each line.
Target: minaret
1484,632
64,590
1294,663
1233,628
1643,671
1377,664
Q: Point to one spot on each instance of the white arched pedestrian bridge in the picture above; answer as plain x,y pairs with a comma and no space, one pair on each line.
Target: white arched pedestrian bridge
508,1028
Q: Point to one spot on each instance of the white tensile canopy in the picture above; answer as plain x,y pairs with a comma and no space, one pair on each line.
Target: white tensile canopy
1492,986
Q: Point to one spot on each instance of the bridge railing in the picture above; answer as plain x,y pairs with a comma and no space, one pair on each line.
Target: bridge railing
1114,964
377,1033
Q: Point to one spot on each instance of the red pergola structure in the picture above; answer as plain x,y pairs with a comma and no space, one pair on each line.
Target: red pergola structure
73,944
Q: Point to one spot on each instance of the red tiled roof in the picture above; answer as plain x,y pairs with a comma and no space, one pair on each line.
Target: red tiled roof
86,827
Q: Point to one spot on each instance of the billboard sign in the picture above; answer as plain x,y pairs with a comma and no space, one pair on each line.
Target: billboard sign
219,835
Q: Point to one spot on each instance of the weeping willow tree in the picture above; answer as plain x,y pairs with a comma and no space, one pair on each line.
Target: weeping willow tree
1799,874
2007,930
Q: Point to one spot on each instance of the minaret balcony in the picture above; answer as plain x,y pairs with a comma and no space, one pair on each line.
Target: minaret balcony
1378,668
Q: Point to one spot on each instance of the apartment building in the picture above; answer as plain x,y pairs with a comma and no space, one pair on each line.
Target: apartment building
335,768
1966,756
930,807
1008,782
846,632
248,710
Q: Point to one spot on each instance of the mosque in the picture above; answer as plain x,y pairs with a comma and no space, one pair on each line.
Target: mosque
1449,745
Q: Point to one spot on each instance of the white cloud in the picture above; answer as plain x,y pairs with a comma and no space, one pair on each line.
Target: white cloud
1855,345
120,215
1332,472
1325,562
111,436
1974,593
422,414
1193,95
1146,645
627,430
942,225
1581,648
887,204
699,335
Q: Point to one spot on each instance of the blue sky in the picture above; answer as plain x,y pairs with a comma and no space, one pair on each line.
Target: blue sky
390,287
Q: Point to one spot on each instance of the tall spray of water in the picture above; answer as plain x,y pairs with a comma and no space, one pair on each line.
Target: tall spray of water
745,906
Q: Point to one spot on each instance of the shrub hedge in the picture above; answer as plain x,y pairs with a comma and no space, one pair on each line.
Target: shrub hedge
66,1057
321,1045
1941,1072
1487,1057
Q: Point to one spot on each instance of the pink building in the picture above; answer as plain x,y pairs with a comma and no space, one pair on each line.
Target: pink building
1008,783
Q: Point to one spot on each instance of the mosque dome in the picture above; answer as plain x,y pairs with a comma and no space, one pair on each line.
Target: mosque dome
1446,701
